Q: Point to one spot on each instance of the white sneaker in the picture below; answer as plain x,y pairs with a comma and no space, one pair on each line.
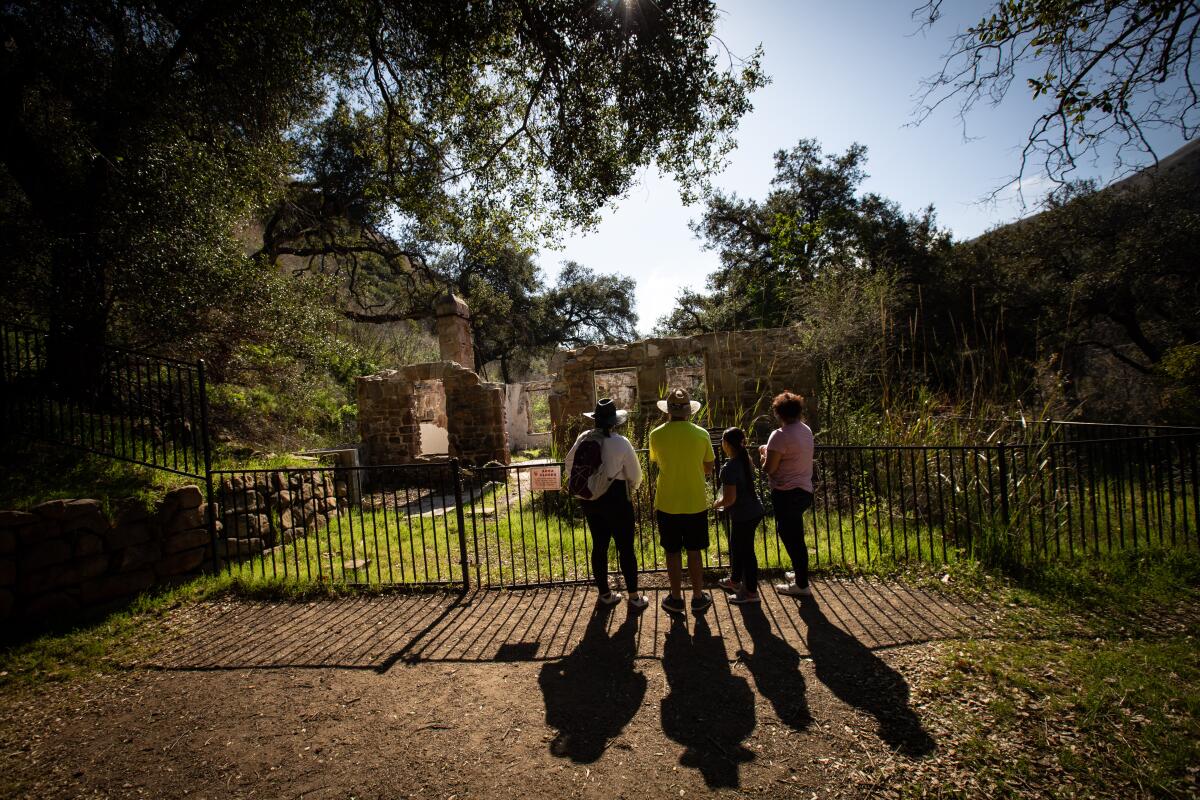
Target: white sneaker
792,590
638,600
790,576
612,598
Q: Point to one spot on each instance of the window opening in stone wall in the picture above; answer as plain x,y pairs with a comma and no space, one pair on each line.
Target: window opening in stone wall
619,384
688,372
429,408
539,411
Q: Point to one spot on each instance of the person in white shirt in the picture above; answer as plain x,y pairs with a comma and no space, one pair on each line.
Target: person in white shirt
608,509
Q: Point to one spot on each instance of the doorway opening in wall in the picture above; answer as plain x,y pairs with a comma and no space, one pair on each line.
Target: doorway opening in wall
539,411
429,408
688,372
621,384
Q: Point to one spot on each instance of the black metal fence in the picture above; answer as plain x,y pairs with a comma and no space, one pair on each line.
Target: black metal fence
129,406
1055,490
450,524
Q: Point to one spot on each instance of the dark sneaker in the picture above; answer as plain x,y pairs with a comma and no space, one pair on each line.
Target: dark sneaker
744,598
730,585
673,605
701,603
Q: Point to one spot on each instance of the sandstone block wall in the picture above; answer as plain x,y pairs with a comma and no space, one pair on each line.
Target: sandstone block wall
454,331
264,510
389,416
66,555
743,370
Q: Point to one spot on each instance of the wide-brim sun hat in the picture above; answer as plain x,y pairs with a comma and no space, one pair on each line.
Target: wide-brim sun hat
678,403
607,413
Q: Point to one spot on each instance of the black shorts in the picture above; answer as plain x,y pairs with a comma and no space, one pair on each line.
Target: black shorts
683,531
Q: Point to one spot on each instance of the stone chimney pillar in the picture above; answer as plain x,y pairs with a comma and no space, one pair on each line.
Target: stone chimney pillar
454,331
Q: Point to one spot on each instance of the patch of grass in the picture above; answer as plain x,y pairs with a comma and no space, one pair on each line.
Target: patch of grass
1076,717
102,644
1089,686
35,474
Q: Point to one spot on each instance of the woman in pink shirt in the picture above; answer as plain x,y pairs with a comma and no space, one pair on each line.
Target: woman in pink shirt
787,458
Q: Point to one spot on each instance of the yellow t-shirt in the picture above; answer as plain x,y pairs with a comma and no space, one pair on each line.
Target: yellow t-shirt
681,449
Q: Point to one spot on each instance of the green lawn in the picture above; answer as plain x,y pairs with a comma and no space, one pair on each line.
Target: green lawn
518,538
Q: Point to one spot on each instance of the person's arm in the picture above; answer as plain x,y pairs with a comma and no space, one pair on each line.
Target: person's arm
728,496
771,456
570,459
633,467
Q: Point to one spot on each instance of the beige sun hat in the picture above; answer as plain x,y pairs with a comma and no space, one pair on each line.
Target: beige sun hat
679,403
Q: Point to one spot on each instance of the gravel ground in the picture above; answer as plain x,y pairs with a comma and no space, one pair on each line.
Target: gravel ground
535,694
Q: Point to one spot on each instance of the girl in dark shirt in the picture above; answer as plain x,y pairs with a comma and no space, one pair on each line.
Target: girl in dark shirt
740,499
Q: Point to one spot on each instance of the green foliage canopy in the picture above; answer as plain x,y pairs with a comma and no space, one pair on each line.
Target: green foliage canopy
812,223
1106,73
137,138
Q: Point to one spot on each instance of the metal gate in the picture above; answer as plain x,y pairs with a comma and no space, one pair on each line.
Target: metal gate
449,524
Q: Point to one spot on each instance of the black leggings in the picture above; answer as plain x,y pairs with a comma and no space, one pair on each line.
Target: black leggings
743,561
790,505
613,519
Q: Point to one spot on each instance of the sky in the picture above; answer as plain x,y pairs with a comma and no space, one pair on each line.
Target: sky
842,72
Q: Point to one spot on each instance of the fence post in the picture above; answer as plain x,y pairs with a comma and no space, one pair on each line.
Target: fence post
456,473
211,514
1003,486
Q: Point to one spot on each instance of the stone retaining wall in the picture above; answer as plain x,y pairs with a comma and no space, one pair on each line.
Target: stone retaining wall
263,510
67,555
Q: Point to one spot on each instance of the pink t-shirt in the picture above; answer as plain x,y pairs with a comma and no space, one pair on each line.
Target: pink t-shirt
794,443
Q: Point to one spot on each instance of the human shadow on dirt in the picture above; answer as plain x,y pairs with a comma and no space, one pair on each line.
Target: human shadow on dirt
859,677
775,666
593,692
708,709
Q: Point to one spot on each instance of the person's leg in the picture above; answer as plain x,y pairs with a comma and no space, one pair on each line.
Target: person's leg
695,541
789,526
669,534
743,535
675,574
598,524
735,563
803,503
696,573
623,533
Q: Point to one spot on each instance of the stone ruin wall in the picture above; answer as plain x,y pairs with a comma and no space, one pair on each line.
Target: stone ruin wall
265,510
67,555
393,404
390,426
742,371
734,373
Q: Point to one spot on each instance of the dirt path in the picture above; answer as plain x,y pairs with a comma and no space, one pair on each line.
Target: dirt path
497,694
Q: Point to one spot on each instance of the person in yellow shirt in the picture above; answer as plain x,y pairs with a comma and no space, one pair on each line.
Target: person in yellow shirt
684,455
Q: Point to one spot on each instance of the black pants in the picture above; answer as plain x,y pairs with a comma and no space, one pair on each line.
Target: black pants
790,505
611,518
743,561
